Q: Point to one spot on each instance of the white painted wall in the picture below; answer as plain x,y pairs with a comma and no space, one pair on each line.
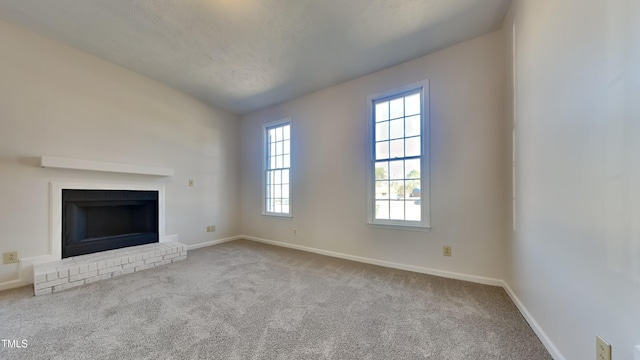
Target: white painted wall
57,101
329,165
575,260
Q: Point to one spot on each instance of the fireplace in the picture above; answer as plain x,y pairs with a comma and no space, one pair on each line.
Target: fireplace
100,220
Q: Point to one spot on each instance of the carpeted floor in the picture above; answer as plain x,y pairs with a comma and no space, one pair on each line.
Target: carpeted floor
243,300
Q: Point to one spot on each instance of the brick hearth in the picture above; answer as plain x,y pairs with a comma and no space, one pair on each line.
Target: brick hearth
80,270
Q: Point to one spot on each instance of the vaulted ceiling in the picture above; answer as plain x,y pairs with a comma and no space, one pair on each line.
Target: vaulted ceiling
243,55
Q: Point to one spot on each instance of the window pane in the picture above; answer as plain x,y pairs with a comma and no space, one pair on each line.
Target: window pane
278,206
382,150
287,161
272,149
277,177
382,210
272,135
278,191
412,126
278,134
396,129
382,131
272,162
286,132
396,210
413,146
397,149
285,208
382,190
412,169
413,210
397,190
269,205
412,104
278,148
382,170
396,170
285,191
413,188
382,111
396,108
286,147
285,176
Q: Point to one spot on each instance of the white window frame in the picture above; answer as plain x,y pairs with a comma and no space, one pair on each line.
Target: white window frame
265,152
425,223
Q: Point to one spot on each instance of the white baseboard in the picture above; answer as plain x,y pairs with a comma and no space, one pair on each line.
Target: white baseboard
13,284
418,269
542,335
213,242
171,238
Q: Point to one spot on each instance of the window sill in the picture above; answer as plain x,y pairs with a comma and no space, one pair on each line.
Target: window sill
278,216
399,227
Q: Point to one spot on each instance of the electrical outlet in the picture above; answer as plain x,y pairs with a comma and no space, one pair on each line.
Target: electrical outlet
10,257
190,182
603,349
211,228
446,250
295,231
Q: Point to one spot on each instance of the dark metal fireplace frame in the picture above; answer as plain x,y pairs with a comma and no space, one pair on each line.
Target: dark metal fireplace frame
100,220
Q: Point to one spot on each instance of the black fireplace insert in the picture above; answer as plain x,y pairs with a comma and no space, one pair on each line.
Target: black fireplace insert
100,220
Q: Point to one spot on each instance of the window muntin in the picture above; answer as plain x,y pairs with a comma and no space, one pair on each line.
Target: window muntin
398,158
277,170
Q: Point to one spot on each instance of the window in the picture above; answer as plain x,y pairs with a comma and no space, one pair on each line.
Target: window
399,167
277,166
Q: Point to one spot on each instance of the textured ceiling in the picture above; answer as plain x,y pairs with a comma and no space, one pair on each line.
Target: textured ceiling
243,55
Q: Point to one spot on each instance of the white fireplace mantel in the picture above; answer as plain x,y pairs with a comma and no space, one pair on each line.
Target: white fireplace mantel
90,165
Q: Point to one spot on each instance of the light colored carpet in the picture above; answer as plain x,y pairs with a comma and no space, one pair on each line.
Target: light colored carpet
243,300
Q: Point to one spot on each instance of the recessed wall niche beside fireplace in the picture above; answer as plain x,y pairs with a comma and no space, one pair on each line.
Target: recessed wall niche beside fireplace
100,220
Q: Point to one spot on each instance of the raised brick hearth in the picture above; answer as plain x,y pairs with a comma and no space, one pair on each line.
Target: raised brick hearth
80,270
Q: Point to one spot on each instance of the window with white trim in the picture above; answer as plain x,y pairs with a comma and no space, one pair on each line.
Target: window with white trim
399,166
277,169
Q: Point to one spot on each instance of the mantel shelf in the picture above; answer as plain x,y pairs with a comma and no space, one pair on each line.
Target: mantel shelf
77,164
